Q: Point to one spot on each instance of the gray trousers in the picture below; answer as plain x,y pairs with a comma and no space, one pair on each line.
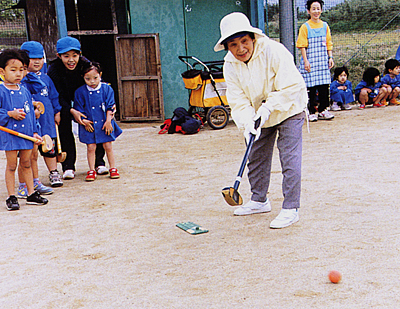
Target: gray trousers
289,144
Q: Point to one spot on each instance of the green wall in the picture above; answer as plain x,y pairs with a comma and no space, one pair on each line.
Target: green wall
177,20
166,18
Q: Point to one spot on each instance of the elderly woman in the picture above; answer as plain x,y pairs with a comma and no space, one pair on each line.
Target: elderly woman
263,82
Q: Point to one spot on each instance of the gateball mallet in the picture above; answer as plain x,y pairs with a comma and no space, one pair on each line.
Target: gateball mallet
231,194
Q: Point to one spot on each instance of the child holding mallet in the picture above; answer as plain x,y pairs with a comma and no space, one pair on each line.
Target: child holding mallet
17,113
43,90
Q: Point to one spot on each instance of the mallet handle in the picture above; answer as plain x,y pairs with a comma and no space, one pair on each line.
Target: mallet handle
33,139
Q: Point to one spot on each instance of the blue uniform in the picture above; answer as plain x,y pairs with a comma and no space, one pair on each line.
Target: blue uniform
46,93
339,95
392,82
363,84
16,99
94,104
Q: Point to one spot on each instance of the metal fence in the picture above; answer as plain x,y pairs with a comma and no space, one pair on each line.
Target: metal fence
364,32
12,25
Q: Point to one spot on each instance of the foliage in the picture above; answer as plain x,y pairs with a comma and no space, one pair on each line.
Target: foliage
7,14
362,15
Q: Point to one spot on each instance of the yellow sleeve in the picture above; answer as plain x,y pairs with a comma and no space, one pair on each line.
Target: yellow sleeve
302,40
329,43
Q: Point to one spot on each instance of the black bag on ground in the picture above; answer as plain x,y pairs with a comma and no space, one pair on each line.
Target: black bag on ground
181,122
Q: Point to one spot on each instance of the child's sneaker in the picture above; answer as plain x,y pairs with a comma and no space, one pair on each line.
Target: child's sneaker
42,189
362,106
335,107
69,174
12,203
101,170
325,115
378,104
36,199
346,107
91,175
384,102
23,192
55,179
114,173
394,102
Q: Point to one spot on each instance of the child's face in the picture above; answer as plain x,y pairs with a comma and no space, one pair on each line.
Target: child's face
315,11
376,79
92,78
342,78
242,48
35,64
395,71
70,59
13,72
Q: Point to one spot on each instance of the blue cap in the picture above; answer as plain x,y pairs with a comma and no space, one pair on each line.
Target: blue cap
34,49
68,43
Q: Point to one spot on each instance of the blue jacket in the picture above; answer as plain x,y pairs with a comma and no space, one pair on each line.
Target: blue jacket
48,95
363,84
392,82
339,95
16,99
94,104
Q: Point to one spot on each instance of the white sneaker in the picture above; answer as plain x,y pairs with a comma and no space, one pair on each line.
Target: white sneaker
252,207
101,170
69,174
312,118
285,218
335,107
325,115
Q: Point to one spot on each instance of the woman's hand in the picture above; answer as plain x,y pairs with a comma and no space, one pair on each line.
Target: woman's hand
77,116
88,125
307,66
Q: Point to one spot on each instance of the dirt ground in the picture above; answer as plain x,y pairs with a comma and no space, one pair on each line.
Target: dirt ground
114,243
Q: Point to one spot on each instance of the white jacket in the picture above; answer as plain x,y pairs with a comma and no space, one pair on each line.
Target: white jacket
270,75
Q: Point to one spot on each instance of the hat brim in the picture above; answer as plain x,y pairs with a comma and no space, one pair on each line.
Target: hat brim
66,50
36,56
220,46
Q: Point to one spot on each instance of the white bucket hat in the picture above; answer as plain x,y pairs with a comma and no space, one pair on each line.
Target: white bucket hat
234,23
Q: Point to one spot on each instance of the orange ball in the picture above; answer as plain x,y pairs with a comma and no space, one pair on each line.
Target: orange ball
334,276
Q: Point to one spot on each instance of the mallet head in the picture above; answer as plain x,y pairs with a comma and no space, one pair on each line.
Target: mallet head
232,196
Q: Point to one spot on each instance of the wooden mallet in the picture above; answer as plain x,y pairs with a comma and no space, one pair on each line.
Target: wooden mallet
61,156
47,143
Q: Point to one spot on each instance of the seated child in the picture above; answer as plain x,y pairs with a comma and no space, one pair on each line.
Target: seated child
370,90
341,90
391,80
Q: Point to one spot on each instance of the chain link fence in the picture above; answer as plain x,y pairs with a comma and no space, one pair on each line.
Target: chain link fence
364,32
12,24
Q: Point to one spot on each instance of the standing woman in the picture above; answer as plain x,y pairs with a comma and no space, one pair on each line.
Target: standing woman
65,71
263,82
316,46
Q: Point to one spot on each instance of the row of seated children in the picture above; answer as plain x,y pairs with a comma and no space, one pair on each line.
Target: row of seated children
372,90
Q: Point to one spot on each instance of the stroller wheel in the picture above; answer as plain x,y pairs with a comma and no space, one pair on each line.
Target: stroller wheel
217,117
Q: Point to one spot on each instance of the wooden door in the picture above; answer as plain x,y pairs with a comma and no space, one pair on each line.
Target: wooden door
139,77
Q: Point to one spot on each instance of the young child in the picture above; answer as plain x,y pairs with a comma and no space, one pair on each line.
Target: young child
42,90
316,46
341,90
370,89
17,113
95,100
391,81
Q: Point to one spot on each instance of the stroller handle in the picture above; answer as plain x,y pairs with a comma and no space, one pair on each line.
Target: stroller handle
184,58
